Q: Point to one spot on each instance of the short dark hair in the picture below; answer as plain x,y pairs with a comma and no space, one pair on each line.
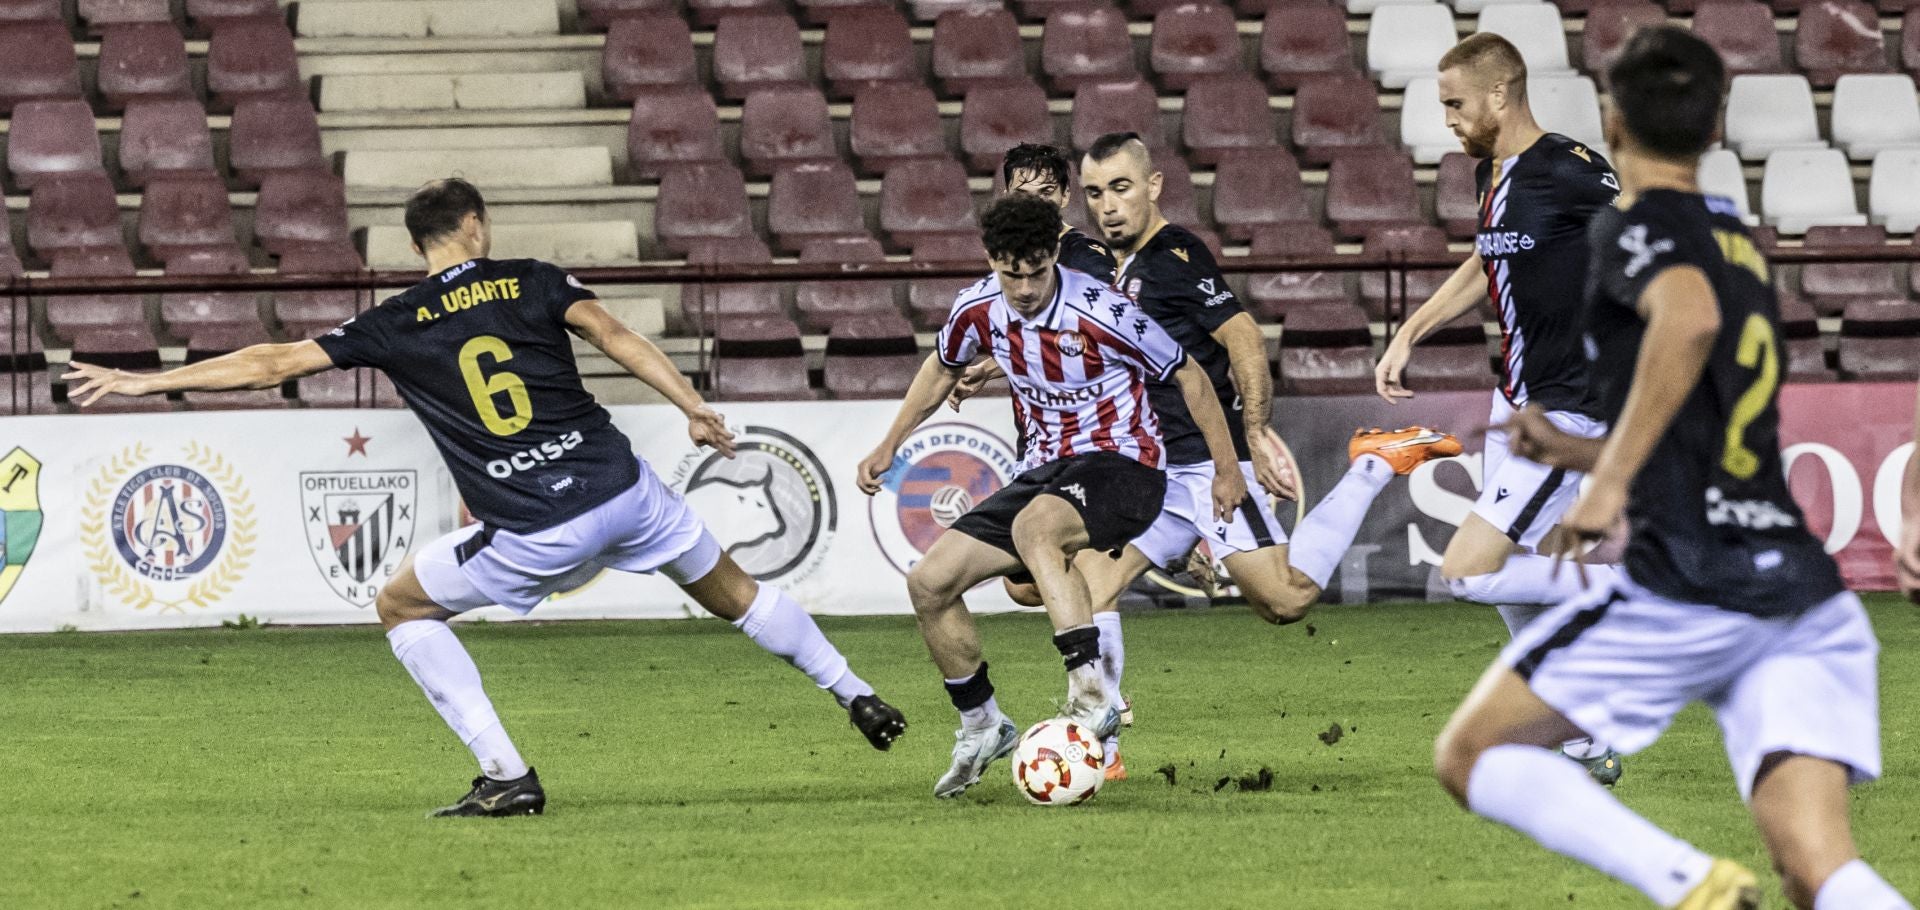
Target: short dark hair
1045,160
1021,227
1111,144
1491,57
1668,84
435,210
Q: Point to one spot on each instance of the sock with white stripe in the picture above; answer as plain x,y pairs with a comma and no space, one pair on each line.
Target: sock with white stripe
1855,886
779,624
1325,534
1553,801
1530,579
445,671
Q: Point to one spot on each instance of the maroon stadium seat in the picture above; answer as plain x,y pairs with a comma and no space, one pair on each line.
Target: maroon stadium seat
813,201
1836,37
1256,188
871,357
1456,196
1304,40
252,58
71,314
348,389
759,360
925,197
1226,114
1326,350
143,61
975,46
273,135
164,137
865,47
648,53
1452,357
1805,350
785,125
179,214
1371,189
1830,287
1086,43
1274,295
300,209
1880,341
71,212
120,347
237,400
185,314
998,117
214,339
895,123
701,201
602,14
30,11
304,311
705,306
823,12
1742,31
708,13
824,305
929,300
672,127
216,14
51,139
1609,25
1378,291
37,62
756,51
1335,115
1910,40
1116,107
1193,40
1177,202
98,14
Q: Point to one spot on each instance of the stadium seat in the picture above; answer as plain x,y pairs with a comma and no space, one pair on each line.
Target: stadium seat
1910,40
1829,287
1255,189
1191,41
1273,295
1872,113
1368,7
50,139
1534,28
300,208
1400,292
215,339
1801,344
236,400
1227,114
921,198
1114,107
1768,113
252,58
1742,31
70,315
1423,122
1880,341
1303,40
865,47
143,61
1608,26
871,357
785,125
1086,43
37,63
1836,37
998,117
1456,196
813,201
1801,188
1568,105
120,347
1893,190
348,389
759,360
825,304
672,127
30,11
1369,190
164,137
1453,358
1407,40
1721,175
1326,349
925,11
823,12
929,300
99,14
752,52
709,13
648,53
1336,115
701,201
274,135
704,305
895,123
71,212
217,14
977,46
603,14
188,212
1177,198
305,314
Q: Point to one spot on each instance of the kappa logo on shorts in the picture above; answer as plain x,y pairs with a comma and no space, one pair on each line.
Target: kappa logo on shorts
1079,492
942,471
168,535
20,515
359,527
771,507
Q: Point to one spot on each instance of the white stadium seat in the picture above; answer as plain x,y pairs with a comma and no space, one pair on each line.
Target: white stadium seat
1423,122
421,18
1568,105
1893,192
1721,175
1766,114
1875,112
1801,188
1405,41
1534,28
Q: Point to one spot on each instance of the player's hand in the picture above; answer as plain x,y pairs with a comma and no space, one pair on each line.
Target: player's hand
1593,516
1532,436
1229,491
1386,374
707,428
972,380
1272,468
1906,560
873,467
88,383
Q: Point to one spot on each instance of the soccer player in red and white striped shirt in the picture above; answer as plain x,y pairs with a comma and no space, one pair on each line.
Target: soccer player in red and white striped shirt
1078,355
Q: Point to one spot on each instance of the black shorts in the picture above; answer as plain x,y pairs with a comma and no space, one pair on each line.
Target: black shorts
1116,496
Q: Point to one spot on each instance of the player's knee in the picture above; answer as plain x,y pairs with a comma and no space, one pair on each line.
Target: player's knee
1025,594
394,609
1454,754
1289,604
928,590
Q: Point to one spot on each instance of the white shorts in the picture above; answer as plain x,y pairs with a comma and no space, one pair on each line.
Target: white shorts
1187,517
1525,499
1620,661
647,528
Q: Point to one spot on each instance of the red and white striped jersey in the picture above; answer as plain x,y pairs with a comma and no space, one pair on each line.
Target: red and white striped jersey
1079,368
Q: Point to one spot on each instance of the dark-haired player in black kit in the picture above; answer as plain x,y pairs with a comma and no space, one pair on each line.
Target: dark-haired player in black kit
1043,170
481,351
1724,596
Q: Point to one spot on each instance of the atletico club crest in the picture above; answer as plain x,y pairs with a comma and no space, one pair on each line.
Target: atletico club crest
168,534
20,515
359,527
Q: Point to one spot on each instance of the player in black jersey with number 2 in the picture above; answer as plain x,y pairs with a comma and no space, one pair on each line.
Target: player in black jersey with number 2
1724,596
481,352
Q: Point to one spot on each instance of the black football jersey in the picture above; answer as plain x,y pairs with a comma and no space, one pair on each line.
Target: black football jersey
482,354
1532,243
1712,521
1085,254
1175,280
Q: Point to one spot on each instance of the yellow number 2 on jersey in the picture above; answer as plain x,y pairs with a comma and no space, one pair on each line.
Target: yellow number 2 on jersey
484,388
1757,349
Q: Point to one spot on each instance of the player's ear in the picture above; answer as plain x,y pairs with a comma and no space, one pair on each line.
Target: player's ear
1154,183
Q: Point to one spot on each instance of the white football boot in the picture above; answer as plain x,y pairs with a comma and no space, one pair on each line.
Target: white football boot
972,753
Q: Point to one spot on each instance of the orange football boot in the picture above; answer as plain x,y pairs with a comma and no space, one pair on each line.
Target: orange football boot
1404,449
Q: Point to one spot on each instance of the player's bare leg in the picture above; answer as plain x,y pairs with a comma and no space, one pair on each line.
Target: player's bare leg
1048,533
936,584
1800,806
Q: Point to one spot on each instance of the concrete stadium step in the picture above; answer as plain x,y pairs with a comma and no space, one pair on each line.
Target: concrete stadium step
424,18
451,91
526,167
576,243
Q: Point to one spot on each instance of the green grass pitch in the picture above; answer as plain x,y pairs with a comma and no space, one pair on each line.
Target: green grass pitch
291,768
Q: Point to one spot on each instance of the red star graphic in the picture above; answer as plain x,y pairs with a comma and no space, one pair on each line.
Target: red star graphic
356,444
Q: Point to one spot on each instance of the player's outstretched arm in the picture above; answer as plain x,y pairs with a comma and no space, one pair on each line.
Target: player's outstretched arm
1247,354
1907,560
261,366
634,353
1462,291
1229,486
930,387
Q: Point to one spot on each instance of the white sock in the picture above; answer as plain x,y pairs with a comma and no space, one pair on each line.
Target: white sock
1855,886
1113,651
437,661
1087,679
1518,616
1553,801
1327,531
779,624
1529,578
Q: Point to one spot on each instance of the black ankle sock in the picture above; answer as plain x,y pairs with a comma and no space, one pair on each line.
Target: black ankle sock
973,692
1079,646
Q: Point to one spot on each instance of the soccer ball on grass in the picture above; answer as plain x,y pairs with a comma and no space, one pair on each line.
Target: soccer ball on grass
1059,763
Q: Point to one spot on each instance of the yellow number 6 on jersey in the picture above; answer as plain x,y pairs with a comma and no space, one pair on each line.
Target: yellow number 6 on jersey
483,388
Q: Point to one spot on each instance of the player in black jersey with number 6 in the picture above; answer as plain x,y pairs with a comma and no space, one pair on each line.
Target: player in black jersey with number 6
481,352
1724,596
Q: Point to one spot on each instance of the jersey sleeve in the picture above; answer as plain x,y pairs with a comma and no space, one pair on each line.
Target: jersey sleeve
1136,335
1193,287
1646,246
562,291
356,342
961,338
1586,182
